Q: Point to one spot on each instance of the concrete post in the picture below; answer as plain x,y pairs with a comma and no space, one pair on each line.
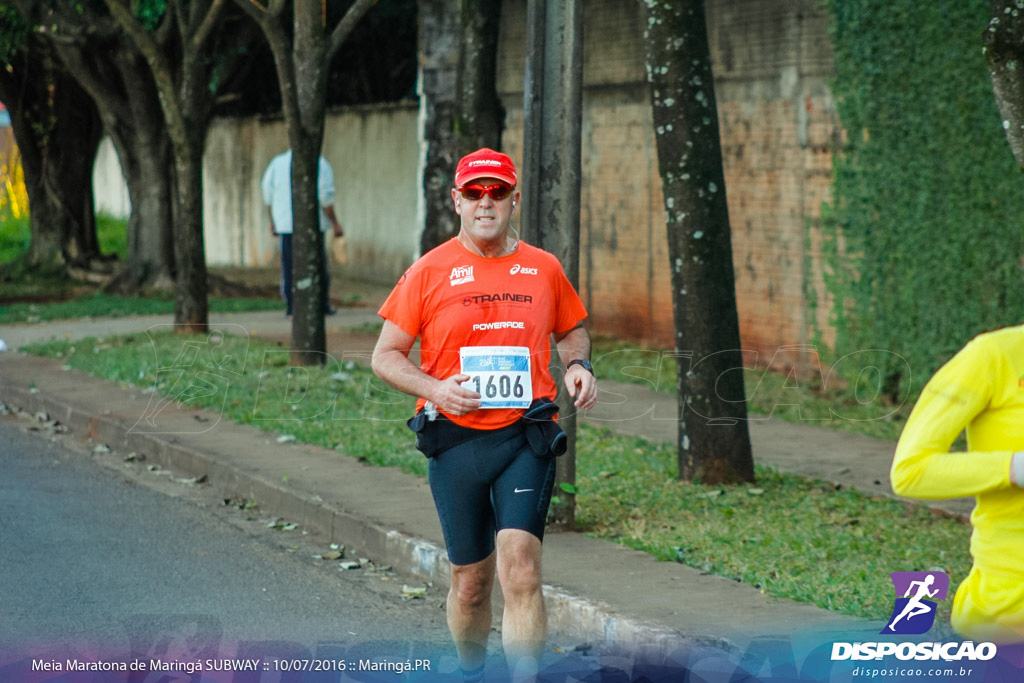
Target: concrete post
552,113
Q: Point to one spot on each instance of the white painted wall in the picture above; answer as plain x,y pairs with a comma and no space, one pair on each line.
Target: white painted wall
110,194
375,155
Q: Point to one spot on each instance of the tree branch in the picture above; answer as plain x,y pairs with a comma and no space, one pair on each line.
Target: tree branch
341,32
262,14
145,43
157,65
206,26
178,11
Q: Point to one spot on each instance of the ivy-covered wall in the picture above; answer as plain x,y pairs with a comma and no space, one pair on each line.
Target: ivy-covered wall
925,228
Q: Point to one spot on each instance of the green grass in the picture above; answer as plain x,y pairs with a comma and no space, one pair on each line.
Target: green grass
21,281
15,236
788,397
112,235
787,536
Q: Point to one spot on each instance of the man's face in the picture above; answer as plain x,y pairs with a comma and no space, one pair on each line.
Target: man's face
486,219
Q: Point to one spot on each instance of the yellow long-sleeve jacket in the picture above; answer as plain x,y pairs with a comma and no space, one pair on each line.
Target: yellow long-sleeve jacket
981,390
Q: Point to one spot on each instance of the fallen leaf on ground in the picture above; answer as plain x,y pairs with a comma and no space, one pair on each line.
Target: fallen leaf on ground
413,592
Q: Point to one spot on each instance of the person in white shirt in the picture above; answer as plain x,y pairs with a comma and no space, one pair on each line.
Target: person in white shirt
276,187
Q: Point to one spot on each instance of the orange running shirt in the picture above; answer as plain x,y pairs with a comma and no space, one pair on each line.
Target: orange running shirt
452,298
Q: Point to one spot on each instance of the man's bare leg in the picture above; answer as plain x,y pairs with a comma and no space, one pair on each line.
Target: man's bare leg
524,622
469,611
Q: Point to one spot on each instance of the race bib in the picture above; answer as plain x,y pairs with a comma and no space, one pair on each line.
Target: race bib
500,374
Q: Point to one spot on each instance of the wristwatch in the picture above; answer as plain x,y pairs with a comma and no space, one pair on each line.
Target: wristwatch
579,361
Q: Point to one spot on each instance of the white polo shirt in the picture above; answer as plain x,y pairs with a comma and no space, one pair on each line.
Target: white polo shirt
277,191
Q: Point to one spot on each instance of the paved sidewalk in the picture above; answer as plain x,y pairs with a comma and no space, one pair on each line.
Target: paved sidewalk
597,591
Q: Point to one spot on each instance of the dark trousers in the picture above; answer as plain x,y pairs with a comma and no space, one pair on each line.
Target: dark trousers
287,279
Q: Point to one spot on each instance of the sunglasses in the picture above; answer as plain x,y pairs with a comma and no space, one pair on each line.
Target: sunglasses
474,192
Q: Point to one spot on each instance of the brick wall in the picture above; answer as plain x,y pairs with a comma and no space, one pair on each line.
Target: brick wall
772,61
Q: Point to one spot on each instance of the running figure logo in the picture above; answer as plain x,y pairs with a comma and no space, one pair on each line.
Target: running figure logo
913,612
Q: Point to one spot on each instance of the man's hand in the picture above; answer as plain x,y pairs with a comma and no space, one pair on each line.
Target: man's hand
270,220
453,398
582,386
332,218
580,382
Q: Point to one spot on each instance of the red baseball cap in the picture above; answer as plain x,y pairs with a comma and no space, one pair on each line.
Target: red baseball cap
485,163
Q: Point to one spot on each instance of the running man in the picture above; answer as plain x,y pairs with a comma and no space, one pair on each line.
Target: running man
485,306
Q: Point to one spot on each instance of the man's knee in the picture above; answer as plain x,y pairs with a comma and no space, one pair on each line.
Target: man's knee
519,555
472,584
471,595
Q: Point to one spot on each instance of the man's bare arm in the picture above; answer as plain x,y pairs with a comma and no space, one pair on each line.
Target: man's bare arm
580,382
391,363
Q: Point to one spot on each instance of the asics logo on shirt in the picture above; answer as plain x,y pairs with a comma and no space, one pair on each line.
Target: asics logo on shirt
522,270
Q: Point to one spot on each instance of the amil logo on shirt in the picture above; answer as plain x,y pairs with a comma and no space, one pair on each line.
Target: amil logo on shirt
461,275
916,592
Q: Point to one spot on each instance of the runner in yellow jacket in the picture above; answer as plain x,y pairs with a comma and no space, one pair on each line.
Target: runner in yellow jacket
981,389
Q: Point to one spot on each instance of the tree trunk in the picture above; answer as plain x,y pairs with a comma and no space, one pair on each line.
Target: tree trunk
714,444
439,55
182,59
111,70
302,49
146,160
309,336
306,135
191,313
1003,43
553,95
143,146
57,159
479,116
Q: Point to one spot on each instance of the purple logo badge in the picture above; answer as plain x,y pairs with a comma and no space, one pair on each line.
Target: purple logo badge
914,612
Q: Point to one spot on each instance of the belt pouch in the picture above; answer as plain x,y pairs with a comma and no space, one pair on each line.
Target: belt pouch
545,437
438,435
426,435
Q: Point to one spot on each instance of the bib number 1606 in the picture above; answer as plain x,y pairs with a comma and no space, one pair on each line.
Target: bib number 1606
502,388
500,374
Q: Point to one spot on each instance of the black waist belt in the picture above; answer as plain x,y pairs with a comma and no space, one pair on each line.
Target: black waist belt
545,437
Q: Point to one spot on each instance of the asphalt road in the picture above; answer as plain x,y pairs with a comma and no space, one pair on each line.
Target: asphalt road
104,559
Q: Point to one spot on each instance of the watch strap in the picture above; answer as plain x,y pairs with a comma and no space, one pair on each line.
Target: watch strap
579,361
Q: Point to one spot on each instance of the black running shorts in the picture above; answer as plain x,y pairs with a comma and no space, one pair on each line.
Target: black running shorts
486,484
